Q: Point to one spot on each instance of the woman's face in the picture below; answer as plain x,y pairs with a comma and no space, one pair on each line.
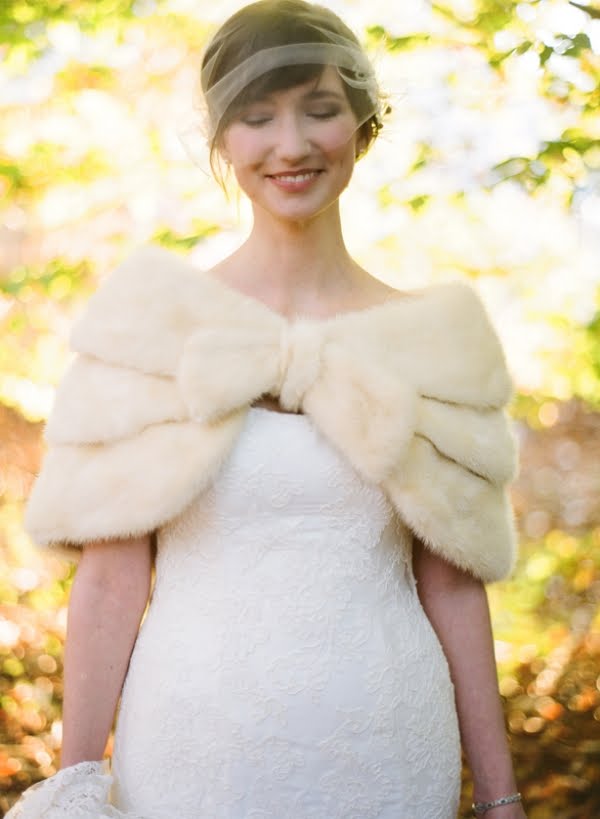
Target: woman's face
293,152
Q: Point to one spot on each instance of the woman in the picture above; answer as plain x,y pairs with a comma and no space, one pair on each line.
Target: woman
322,463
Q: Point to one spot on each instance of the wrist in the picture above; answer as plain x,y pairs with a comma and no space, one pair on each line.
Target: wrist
495,787
502,805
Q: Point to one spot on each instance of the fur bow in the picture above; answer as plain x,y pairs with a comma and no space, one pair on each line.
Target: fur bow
223,369
412,392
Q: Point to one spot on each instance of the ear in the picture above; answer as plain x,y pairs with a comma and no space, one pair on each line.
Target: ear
361,142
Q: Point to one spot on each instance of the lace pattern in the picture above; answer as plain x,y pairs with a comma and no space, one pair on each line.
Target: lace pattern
286,669
78,792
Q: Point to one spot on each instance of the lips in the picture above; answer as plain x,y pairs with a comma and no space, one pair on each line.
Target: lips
295,181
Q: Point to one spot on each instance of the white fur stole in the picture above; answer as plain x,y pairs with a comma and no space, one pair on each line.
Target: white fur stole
412,392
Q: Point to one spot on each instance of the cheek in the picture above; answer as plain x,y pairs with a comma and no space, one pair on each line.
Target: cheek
242,149
339,140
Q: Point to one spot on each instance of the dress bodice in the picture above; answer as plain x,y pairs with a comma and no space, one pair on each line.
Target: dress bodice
283,497
280,669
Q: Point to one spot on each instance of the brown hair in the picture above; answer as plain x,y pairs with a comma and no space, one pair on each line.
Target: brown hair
270,23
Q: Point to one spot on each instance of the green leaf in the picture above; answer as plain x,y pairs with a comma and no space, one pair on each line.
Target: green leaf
524,47
417,203
174,241
379,35
592,11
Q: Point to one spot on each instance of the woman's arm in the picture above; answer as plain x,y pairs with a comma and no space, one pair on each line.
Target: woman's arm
108,598
456,604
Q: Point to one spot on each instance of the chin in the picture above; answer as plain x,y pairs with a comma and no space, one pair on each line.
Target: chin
298,215
302,209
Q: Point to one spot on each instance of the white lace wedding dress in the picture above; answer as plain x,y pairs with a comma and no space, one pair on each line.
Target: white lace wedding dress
285,668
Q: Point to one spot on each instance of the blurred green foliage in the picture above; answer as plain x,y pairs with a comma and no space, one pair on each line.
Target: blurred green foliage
24,23
171,240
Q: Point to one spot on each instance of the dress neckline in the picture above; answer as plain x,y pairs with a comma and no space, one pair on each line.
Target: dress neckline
277,412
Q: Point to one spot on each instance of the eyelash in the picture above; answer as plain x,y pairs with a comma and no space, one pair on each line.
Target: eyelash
326,114
256,123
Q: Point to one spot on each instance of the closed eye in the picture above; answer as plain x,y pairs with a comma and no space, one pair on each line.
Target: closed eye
255,121
328,113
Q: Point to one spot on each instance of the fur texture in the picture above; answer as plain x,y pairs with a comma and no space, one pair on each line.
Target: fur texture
412,392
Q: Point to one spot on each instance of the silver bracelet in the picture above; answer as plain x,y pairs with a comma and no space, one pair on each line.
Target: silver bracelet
482,807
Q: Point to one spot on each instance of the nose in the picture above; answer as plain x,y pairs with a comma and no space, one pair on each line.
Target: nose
293,141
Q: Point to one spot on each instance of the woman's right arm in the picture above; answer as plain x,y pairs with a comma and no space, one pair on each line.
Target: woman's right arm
108,598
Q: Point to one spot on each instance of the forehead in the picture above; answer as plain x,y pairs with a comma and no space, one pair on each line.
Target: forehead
325,82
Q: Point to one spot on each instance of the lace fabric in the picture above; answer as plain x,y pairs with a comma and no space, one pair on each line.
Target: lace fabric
286,669
78,792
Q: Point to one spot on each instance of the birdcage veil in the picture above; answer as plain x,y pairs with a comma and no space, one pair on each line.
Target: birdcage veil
350,61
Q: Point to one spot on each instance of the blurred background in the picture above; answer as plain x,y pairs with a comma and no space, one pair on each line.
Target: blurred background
488,169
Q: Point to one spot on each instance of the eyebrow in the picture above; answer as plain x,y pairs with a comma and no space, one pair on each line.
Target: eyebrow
314,94
322,94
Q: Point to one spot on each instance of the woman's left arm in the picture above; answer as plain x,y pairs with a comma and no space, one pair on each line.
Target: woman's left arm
457,607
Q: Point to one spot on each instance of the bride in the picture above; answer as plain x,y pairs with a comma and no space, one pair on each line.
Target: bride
287,485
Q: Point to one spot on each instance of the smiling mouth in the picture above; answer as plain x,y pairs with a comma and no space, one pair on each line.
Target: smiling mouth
298,176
